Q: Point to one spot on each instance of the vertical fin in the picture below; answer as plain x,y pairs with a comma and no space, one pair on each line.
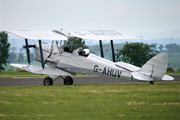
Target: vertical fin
156,67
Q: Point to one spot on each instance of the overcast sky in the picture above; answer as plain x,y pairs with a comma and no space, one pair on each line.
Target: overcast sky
157,18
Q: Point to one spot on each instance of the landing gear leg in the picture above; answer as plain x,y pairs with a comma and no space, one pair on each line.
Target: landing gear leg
68,80
151,82
48,81
132,79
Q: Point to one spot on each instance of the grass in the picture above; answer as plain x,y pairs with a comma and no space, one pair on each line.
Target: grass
127,101
173,73
19,74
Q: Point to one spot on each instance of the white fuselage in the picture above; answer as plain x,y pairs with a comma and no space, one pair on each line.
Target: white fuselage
75,63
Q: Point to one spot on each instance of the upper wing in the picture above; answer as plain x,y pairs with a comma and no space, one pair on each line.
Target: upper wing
38,35
97,35
64,35
38,69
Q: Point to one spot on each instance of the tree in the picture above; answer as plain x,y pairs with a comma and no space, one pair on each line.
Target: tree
161,48
136,53
21,50
173,48
13,49
74,43
12,57
32,57
4,48
20,58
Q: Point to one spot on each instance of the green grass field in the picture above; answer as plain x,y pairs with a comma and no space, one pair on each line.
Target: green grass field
127,101
19,74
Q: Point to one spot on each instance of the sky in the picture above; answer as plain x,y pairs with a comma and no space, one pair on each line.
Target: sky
149,18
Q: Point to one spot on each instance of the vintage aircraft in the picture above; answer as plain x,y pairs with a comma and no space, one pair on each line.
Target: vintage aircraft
58,62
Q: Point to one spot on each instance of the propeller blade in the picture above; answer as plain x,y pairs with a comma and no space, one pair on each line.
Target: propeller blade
30,46
27,51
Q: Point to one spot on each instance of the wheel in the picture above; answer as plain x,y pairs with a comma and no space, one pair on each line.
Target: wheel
48,81
151,82
68,80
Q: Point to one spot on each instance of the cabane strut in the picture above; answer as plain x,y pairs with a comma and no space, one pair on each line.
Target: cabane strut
101,48
112,47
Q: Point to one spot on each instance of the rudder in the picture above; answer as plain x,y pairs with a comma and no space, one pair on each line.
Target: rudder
156,67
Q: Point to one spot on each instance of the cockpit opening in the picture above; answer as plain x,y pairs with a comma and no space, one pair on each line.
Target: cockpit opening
83,52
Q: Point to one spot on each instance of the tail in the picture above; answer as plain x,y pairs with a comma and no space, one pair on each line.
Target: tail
154,69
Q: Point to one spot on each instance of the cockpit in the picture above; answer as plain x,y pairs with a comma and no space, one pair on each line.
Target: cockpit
80,51
83,52
60,49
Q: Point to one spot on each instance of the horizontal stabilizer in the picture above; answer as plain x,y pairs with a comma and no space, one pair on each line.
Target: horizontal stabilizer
38,69
144,77
141,76
127,66
167,78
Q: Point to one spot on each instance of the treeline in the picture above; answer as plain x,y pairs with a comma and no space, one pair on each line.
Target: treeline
18,56
170,49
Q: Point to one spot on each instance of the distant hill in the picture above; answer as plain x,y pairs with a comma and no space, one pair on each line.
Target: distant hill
163,41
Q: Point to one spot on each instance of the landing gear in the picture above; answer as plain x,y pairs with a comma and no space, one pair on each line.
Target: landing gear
48,81
132,79
68,80
151,82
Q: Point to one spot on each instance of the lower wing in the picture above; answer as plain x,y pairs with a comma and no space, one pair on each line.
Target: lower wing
38,69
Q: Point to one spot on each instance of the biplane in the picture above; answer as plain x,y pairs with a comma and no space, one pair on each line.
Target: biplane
56,60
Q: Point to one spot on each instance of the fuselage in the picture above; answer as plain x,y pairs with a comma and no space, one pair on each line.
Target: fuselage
75,63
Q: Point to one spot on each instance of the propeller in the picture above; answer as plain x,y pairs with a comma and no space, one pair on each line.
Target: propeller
34,46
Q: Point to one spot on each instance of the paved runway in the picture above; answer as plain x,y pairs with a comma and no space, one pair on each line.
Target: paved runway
77,80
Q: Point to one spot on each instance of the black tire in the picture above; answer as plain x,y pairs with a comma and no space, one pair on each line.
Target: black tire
151,82
68,80
48,81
